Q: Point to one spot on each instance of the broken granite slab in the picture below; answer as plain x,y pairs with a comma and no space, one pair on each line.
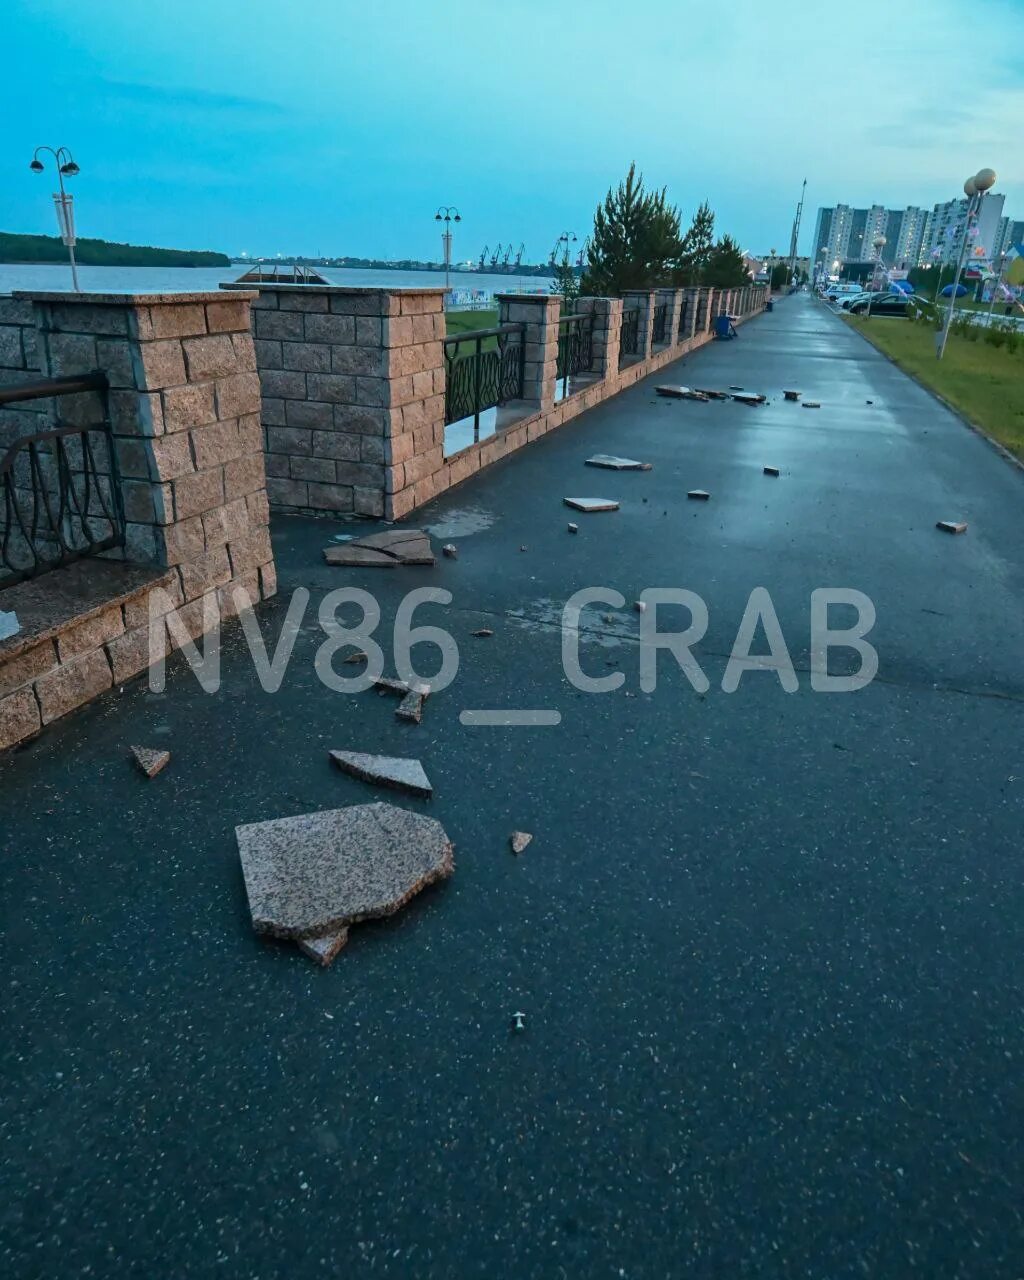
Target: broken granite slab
151,761
699,495
411,707
386,771
325,948
748,397
680,393
384,550
952,526
318,873
712,395
613,463
591,504
9,625
518,841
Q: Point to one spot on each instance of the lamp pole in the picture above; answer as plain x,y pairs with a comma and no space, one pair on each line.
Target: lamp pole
879,244
63,203
447,213
974,189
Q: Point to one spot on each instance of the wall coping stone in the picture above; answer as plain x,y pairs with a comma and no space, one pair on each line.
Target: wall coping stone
361,291
527,297
124,299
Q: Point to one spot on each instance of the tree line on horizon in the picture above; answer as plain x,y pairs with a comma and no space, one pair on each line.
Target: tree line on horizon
15,247
638,243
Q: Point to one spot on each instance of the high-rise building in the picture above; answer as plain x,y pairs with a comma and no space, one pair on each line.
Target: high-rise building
945,234
844,234
1009,234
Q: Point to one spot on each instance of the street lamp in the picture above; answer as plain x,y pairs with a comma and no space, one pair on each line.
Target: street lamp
879,244
63,203
447,214
974,189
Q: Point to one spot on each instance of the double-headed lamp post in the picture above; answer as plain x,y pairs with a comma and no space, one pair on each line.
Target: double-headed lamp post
63,203
447,214
974,189
879,245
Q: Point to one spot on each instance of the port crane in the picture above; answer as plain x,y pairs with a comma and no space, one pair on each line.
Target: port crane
495,255
483,256
508,254
519,256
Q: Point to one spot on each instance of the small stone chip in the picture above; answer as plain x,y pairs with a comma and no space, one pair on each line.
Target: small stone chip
573,528
791,395
519,840
386,771
952,526
700,495
482,632
450,550
150,761
812,404
411,707
358,656
771,471
324,949
640,606
524,547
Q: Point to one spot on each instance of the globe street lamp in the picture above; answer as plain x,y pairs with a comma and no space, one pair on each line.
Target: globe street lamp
879,244
447,214
63,203
974,189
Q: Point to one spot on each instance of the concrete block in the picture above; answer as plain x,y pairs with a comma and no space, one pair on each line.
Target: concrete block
19,718
72,684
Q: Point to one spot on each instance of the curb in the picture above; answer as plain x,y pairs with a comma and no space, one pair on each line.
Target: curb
957,413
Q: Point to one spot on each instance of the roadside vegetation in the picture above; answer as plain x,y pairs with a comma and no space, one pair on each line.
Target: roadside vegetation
981,374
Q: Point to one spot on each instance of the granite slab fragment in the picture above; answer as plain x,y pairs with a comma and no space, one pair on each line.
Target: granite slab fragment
952,526
518,841
712,395
771,471
410,708
151,761
317,873
9,625
385,771
699,495
324,949
613,463
591,504
680,393
384,550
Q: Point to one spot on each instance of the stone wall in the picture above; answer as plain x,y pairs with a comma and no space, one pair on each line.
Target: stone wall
19,362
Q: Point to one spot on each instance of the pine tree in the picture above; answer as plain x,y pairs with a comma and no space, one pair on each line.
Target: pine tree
695,249
726,266
635,241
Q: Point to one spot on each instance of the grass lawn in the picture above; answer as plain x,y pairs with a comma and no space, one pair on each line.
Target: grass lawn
985,383
462,321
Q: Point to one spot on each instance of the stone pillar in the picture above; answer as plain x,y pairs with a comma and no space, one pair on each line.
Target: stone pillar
540,314
346,374
643,300
673,298
184,407
607,313
691,307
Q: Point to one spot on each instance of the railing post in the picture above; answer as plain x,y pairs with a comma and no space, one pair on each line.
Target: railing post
643,300
540,313
184,405
673,298
607,314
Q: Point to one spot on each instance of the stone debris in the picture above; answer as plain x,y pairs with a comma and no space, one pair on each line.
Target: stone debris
869,402
791,395
325,948
681,393
748,397
388,684
9,625
310,877
640,606
771,471
613,463
713,395
524,547
591,504
734,387
952,526
450,550
482,632
385,771
150,761
358,656
812,404
701,495
411,707
573,528
519,1022
518,840
383,550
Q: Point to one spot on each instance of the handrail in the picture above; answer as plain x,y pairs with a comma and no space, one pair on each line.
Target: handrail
46,387
484,333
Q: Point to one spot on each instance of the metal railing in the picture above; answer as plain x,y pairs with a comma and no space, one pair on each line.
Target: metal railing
483,369
658,337
685,316
60,493
629,338
575,348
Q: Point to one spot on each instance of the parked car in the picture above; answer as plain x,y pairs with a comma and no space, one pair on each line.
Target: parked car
844,304
882,304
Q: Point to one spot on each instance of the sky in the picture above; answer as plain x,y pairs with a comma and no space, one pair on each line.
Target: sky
337,127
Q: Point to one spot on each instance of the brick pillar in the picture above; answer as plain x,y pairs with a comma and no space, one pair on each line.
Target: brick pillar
691,307
673,298
643,299
607,313
184,407
540,314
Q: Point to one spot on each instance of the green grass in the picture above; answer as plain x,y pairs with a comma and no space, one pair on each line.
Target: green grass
463,321
985,383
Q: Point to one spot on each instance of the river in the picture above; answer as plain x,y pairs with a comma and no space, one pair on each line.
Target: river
51,276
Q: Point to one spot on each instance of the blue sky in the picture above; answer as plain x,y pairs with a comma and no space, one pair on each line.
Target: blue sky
338,127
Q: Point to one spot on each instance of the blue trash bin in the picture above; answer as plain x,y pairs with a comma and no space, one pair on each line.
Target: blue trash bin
723,327
769,305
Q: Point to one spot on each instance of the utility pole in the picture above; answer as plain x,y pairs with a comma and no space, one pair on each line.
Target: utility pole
796,232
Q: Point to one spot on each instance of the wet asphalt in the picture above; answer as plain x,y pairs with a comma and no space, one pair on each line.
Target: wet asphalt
767,943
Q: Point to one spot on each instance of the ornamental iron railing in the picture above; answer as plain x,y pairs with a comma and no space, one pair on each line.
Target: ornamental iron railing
658,337
483,370
60,495
629,339
575,348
